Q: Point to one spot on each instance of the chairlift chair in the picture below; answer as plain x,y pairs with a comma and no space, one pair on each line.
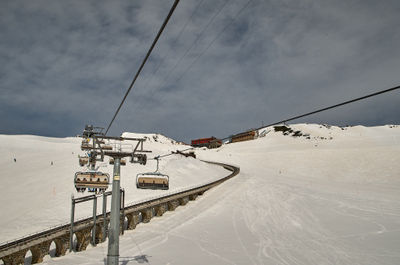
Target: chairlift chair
86,146
94,181
153,180
83,160
106,146
122,162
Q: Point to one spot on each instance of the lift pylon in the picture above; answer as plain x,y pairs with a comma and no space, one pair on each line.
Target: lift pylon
94,145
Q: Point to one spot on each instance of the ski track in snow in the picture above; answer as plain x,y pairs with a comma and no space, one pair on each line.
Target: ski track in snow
296,201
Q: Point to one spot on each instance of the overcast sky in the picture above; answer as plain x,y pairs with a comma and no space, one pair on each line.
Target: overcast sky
220,67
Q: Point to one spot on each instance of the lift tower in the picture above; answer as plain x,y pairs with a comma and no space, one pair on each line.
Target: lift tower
94,144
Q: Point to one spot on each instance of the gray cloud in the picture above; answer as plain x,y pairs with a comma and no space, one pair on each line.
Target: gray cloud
64,64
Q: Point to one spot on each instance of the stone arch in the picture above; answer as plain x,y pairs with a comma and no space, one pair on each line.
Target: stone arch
126,222
39,251
133,220
172,205
147,214
74,242
193,197
100,233
183,200
83,238
160,209
140,217
53,249
27,258
17,257
62,245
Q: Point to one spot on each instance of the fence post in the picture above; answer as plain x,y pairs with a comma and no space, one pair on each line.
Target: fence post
104,216
94,220
71,232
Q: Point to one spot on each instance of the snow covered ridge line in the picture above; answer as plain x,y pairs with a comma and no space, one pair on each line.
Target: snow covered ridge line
39,244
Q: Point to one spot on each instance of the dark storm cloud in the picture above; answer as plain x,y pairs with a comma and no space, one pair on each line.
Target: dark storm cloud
220,66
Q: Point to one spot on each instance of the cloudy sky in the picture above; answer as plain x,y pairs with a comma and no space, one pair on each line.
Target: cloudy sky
220,67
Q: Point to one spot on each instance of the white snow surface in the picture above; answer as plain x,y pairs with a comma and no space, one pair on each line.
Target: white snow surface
36,195
331,199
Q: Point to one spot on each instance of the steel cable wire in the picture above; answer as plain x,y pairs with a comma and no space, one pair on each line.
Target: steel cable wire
326,108
307,114
165,79
211,43
144,61
173,44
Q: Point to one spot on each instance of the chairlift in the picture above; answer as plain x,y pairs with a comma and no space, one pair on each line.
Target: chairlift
94,181
106,147
122,162
83,160
100,141
139,158
153,180
86,145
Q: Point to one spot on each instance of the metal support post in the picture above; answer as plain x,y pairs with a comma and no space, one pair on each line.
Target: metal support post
71,232
94,220
113,233
123,210
104,217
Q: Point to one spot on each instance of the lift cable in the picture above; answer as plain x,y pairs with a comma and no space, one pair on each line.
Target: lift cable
165,79
174,42
307,114
165,155
216,14
189,66
327,108
144,61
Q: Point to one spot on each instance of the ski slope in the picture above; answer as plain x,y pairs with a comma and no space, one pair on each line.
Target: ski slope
330,196
36,189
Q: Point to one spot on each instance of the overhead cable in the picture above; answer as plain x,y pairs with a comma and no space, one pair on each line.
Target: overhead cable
187,68
216,14
310,113
331,107
174,42
144,60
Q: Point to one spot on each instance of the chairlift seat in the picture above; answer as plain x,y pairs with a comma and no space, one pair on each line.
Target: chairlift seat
153,181
93,181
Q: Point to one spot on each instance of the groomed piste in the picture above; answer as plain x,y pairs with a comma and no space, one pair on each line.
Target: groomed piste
329,195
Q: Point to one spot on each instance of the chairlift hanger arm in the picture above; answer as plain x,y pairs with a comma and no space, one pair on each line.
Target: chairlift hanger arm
120,138
96,140
117,154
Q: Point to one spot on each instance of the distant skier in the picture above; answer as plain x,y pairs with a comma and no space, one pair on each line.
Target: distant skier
51,162
15,160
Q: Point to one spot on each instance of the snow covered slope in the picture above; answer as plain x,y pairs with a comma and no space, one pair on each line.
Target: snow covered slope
331,199
36,189
327,196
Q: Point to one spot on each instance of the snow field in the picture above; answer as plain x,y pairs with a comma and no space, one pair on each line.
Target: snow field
37,195
330,199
